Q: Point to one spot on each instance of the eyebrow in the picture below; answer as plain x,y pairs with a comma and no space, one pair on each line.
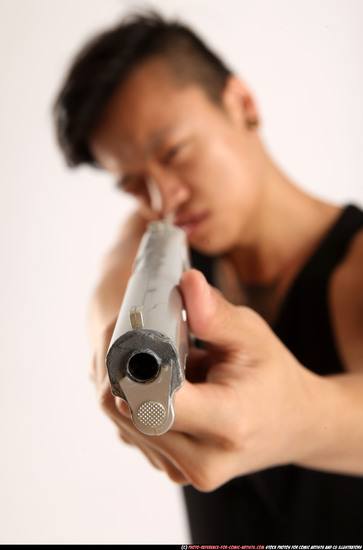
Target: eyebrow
156,140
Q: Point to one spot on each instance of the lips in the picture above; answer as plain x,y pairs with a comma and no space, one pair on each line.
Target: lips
189,223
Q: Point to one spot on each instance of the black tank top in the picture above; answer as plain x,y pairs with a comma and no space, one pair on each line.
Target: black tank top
288,504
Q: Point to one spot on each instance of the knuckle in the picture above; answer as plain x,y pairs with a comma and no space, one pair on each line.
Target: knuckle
172,470
203,480
205,476
93,369
125,438
105,398
122,407
228,444
175,475
228,435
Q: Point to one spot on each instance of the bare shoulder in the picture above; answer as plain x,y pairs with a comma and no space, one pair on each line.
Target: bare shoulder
350,270
346,300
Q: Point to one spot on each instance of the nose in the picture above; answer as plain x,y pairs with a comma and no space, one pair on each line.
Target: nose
166,193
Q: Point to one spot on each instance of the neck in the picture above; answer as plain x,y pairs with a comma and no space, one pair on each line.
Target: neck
288,225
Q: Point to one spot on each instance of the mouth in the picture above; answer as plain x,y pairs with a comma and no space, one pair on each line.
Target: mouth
190,223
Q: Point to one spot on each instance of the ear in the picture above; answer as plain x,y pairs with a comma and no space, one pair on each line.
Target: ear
239,103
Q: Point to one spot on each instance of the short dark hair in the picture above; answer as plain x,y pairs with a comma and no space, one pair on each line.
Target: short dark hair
108,59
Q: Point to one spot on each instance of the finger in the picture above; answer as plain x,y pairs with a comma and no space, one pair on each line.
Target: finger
209,314
197,365
196,422
177,454
155,457
122,407
192,461
203,411
161,462
212,318
99,371
126,439
195,412
154,448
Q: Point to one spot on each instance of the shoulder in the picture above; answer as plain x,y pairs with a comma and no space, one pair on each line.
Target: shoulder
346,302
350,270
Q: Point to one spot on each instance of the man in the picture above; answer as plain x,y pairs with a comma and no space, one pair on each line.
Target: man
268,435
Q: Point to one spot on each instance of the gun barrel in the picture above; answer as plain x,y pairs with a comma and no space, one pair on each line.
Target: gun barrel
147,354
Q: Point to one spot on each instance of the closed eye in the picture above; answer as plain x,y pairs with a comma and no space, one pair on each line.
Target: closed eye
130,184
121,183
172,153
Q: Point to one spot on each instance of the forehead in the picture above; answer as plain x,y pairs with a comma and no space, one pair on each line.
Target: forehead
149,105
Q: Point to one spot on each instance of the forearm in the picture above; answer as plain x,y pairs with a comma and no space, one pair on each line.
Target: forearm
335,439
117,267
106,301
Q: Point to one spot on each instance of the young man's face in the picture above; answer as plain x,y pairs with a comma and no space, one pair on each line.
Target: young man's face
184,157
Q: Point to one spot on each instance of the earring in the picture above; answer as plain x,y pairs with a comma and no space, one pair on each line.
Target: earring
252,122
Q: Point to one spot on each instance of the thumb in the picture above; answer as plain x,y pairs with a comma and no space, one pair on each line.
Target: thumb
211,317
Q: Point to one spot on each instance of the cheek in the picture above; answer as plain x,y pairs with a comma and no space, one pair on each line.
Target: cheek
226,178
230,191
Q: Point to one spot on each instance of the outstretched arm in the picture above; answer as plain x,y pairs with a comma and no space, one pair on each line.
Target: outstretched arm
251,405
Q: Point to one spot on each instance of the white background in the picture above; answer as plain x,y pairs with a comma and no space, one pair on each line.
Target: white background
65,477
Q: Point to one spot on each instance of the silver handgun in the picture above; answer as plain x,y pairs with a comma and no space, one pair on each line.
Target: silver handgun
148,349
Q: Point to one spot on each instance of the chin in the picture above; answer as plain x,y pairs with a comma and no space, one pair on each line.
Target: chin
210,247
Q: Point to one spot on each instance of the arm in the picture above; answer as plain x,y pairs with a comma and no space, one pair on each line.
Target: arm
278,411
343,441
256,407
116,270
107,297
251,404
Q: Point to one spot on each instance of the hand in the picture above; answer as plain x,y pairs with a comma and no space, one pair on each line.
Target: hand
247,403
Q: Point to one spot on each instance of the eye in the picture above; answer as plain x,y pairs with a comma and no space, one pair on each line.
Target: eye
121,184
130,184
172,153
